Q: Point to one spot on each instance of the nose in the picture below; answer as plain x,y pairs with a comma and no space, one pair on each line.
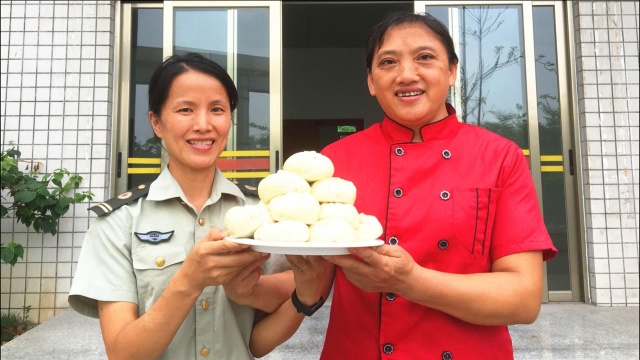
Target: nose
407,73
201,121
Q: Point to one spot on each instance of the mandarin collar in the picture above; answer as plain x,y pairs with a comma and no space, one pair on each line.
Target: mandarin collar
438,130
166,187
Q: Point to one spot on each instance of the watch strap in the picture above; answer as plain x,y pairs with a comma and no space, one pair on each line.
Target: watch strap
301,308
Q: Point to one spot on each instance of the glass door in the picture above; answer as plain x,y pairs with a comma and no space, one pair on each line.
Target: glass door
244,38
512,80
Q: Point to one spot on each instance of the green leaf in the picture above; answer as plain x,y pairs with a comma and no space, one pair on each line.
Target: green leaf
24,196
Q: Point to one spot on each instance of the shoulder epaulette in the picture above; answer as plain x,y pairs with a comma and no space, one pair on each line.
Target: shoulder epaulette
246,188
107,207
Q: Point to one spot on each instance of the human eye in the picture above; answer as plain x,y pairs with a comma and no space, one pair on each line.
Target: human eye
217,109
386,62
184,110
425,57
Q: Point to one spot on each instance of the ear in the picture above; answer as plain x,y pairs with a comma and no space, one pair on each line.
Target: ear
372,89
155,124
453,74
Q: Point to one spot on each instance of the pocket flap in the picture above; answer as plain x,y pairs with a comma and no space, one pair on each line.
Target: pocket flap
158,257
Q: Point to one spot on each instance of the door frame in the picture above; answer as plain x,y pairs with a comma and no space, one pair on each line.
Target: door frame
122,72
573,207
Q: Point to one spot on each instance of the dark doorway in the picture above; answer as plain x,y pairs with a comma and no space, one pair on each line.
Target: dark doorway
324,74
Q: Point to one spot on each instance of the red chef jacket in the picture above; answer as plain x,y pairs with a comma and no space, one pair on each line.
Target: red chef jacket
456,202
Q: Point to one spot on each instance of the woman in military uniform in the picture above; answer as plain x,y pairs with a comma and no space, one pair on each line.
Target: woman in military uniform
155,267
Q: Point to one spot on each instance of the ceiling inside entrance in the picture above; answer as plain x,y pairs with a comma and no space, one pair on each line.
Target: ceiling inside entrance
336,24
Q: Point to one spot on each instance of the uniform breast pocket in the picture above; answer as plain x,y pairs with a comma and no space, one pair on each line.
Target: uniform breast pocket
473,214
154,266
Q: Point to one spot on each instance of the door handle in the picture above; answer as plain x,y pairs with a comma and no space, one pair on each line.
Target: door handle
572,169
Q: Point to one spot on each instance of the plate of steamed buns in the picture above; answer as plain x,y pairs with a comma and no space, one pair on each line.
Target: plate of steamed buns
304,210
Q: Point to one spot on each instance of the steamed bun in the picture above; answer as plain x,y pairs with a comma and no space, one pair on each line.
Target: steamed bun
285,230
332,229
281,182
301,207
334,189
242,221
345,211
312,166
369,228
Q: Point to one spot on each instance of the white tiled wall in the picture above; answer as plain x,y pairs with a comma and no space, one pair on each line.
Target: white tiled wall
606,34
56,59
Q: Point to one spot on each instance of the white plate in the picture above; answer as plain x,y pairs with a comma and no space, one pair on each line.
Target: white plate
304,248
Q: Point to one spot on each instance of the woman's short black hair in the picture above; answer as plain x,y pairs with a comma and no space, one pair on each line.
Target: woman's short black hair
376,36
174,65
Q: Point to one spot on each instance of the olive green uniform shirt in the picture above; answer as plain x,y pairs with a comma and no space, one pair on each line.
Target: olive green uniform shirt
132,253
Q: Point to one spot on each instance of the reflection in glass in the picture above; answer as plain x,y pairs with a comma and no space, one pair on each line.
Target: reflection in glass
146,55
490,90
550,130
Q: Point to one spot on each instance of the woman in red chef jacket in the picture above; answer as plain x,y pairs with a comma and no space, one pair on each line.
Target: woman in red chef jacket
464,236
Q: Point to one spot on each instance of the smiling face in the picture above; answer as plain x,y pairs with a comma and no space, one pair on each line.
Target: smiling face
194,123
410,75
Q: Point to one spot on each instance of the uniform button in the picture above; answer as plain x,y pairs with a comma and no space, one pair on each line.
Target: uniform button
445,195
387,348
399,151
205,304
201,221
393,240
443,244
447,355
446,154
390,296
160,262
204,351
397,192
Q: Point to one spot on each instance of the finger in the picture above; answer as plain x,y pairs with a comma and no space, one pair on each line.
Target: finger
215,234
340,260
251,267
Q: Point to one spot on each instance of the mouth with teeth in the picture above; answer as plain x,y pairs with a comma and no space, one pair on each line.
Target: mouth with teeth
409,93
200,142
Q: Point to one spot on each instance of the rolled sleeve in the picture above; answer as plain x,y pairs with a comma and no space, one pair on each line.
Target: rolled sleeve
104,271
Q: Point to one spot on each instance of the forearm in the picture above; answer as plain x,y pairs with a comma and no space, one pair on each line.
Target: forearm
501,297
271,291
274,329
148,336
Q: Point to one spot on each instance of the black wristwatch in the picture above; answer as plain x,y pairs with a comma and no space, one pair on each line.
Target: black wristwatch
303,309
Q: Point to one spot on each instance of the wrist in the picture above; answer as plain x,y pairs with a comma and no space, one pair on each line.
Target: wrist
304,308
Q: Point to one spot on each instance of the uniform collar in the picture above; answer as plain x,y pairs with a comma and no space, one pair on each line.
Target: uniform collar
166,187
441,129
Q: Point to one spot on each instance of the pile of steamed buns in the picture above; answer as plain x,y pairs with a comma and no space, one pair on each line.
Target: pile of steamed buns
303,202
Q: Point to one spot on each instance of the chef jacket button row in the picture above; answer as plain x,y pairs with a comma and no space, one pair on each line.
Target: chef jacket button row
387,348
444,195
445,153
447,355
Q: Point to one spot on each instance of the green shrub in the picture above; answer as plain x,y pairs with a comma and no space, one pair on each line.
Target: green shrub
14,324
39,200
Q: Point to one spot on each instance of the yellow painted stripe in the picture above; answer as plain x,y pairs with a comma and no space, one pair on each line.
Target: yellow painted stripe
254,153
554,158
246,175
551,168
146,161
525,152
143,170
